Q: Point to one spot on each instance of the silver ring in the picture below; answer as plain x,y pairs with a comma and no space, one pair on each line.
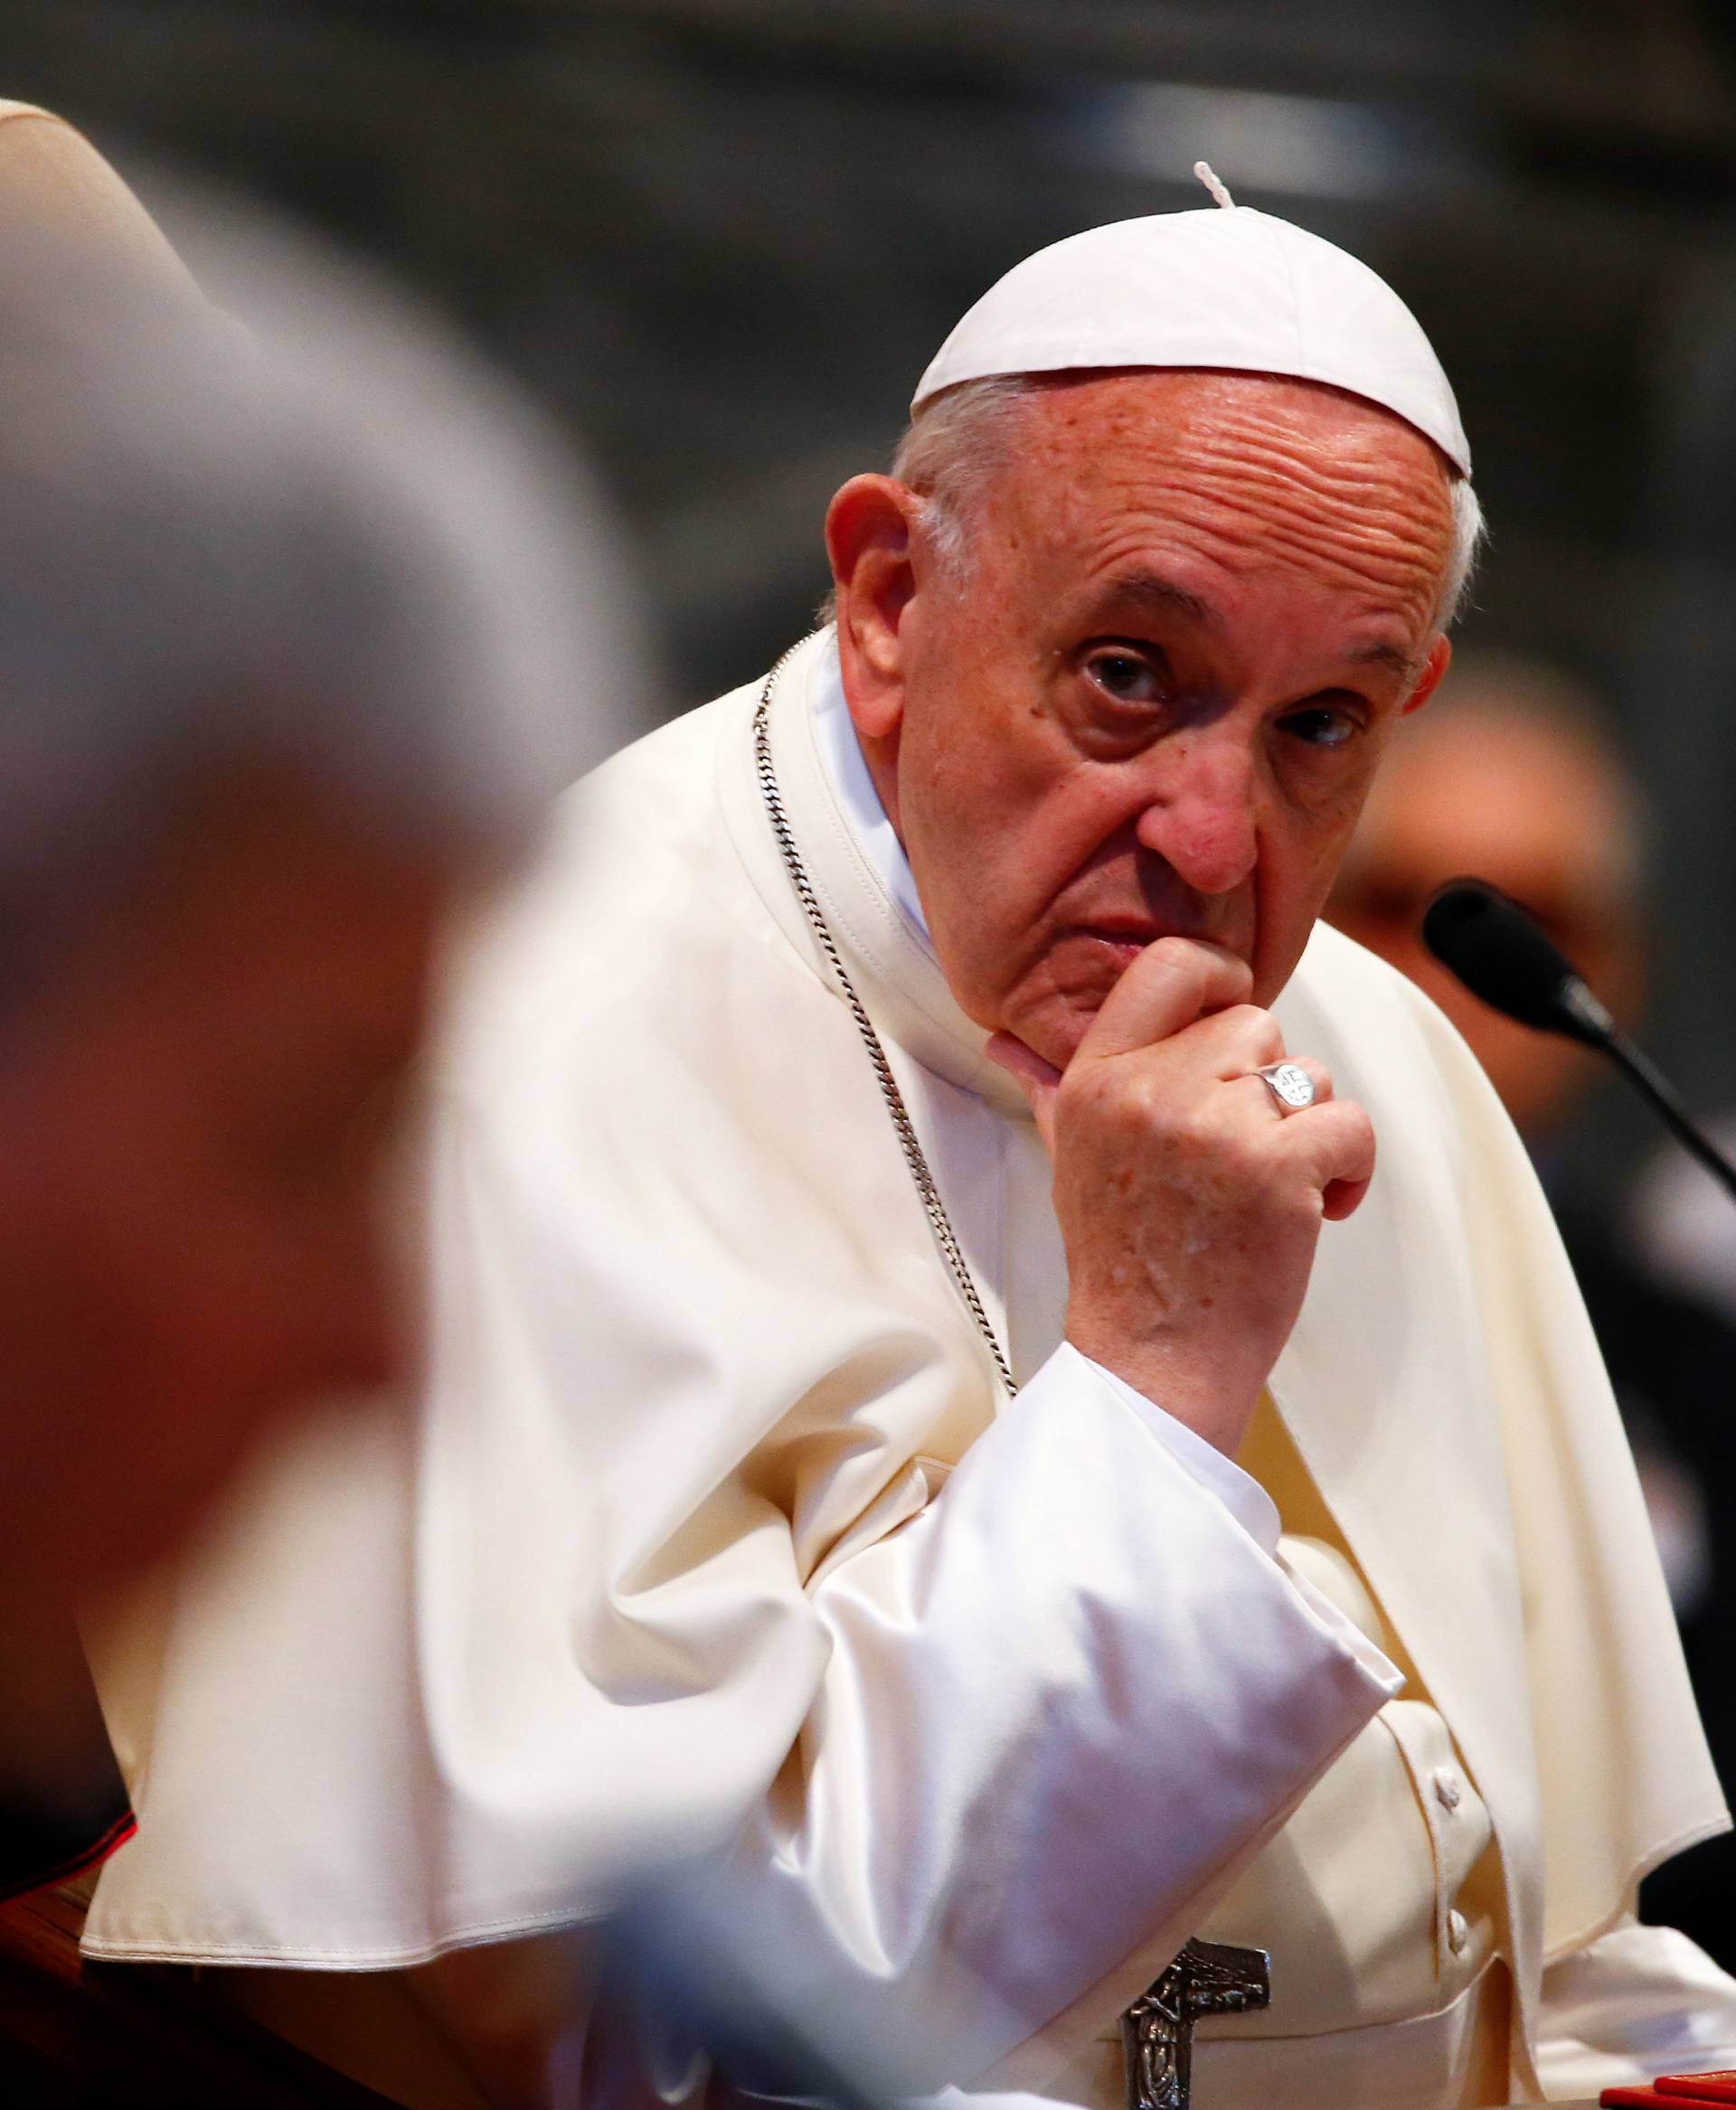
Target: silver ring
1289,1084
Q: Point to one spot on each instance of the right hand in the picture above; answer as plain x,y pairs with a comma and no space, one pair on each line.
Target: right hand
1189,1205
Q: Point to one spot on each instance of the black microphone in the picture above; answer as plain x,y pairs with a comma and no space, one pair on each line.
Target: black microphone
1501,954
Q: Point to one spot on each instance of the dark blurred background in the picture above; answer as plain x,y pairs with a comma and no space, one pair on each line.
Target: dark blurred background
723,238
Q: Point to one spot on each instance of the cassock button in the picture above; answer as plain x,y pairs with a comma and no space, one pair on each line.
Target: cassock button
1459,1932
1446,1787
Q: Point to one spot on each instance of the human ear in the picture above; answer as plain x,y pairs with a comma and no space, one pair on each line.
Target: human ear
1434,669
868,540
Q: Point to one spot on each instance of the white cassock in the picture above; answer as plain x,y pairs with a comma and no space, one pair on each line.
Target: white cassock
718,1525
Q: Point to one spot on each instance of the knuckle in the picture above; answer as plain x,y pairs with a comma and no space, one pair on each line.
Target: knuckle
1108,1096
1188,1129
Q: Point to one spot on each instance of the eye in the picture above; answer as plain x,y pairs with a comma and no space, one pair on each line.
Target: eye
1127,676
1323,725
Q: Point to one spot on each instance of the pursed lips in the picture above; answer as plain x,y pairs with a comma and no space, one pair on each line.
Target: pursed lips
1133,929
1125,938
1124,945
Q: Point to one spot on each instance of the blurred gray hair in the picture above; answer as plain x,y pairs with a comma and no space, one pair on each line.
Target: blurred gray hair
323,534
958,442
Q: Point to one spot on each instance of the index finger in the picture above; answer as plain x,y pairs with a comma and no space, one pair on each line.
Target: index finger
1173,981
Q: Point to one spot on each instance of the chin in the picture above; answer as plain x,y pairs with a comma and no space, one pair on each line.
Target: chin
1055,1027
1052,1011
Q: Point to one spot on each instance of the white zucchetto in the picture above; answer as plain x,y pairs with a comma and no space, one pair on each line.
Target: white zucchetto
1224,286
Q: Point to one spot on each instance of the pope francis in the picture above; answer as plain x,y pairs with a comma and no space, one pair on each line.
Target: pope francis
980,1358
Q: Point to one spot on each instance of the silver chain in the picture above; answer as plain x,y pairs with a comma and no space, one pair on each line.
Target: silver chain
945,1237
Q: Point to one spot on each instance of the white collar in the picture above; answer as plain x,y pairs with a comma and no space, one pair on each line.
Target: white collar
853,786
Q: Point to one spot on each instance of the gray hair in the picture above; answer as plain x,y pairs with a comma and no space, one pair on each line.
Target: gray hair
958,442
330,539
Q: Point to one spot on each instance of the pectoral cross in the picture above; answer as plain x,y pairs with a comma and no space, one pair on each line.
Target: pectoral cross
1207,1978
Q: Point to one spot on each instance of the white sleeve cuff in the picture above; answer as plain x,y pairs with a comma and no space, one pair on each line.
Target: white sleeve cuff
1068,1370
1240,1494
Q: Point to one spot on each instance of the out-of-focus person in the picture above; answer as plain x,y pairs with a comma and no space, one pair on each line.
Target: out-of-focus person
1515,775
57,196
1512,776
300,623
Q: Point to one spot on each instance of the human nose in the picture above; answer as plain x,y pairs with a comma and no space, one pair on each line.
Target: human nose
1200,818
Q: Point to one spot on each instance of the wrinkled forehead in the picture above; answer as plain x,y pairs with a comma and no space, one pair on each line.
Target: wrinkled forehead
1233,466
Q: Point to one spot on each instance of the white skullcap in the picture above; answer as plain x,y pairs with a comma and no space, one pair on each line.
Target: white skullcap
1224,286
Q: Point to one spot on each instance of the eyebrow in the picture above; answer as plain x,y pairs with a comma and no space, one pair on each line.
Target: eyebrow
1391,656
1158,596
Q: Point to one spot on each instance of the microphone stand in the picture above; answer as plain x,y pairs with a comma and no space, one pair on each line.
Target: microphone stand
1588,1019
1655,1088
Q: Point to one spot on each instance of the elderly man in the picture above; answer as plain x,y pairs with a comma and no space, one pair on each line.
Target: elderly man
262,733
896,1412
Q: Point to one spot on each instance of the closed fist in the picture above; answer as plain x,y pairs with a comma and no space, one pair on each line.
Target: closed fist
1189,1203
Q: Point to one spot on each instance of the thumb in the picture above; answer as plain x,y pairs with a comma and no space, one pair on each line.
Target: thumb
1342,1198
1038,1077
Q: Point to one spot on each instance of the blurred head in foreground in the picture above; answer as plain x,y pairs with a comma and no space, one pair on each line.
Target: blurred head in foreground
297,633
1512,777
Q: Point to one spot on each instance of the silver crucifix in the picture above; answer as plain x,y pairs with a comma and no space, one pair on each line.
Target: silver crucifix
1207,1978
